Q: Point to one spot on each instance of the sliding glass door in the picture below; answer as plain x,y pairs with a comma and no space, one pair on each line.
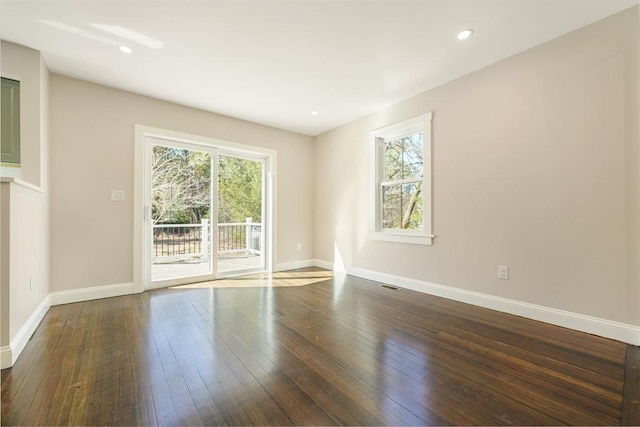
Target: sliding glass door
203,208
204,212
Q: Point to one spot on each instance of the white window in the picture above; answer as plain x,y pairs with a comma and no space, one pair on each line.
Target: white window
401,182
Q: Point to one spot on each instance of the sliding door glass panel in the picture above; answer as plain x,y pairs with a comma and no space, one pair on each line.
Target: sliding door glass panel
181,189
241,222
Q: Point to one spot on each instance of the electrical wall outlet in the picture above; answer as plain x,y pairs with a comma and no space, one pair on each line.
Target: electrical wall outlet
298,246
503,272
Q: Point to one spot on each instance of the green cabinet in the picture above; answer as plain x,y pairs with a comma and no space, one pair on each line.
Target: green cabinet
10,126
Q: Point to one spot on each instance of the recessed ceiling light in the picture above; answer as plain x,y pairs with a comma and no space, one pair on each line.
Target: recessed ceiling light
125,49
464,34
314,113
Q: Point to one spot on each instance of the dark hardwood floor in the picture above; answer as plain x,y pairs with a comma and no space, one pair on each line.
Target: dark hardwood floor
337,351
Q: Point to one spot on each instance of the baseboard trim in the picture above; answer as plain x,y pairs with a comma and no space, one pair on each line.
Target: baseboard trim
326,264
593,325
88,294
284,266
9,354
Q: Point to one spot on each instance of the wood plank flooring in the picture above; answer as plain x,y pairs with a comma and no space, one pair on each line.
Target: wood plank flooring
337,351
631,404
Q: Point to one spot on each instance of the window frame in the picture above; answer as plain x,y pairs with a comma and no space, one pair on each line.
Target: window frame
424,236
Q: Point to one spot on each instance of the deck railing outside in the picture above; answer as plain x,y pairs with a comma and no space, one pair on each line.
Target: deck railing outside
173,241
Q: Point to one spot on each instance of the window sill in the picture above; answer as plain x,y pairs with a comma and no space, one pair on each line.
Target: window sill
402,238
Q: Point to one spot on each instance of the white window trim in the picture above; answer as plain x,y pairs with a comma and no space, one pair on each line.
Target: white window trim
420,237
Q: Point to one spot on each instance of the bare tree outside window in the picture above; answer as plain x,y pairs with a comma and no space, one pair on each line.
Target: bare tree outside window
180,185
402,204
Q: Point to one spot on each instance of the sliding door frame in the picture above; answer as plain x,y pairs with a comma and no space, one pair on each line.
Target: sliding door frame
141,276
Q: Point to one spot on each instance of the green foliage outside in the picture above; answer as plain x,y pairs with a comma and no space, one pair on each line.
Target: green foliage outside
181,187
239,190
402,193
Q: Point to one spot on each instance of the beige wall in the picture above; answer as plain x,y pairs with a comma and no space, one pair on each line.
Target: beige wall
44,127
28,253
531,169
5,259
44,172
24,279
92,152
633,182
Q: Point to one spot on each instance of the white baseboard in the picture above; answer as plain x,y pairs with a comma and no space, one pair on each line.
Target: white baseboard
325,264
9,354
88,294
579,322
284,266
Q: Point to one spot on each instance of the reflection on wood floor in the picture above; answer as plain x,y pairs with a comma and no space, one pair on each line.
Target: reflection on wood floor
340,350
281,279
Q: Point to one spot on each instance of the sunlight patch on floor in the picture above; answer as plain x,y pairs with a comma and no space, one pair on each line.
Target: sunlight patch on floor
276,280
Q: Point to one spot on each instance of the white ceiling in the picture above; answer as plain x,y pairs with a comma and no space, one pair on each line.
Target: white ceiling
274,61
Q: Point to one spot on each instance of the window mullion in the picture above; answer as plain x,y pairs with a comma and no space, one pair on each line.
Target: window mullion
400,182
